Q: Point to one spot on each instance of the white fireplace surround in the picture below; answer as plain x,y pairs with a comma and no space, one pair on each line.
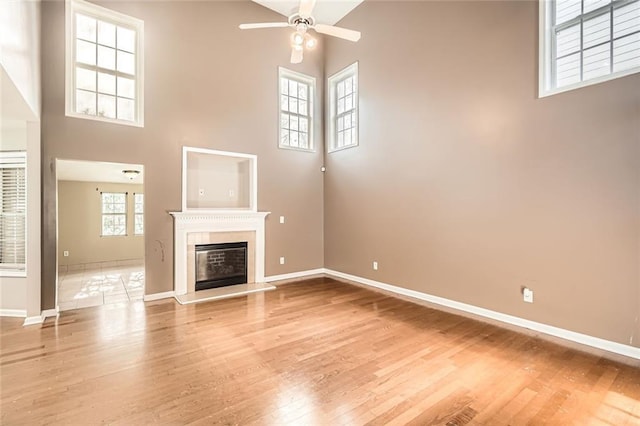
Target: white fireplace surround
214,221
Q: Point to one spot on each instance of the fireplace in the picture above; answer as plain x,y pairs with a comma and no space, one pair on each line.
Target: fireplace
213,227
220,264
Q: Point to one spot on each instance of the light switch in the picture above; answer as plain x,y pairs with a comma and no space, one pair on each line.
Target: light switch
281,219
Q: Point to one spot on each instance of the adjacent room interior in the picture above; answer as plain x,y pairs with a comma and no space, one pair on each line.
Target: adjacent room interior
100,252
320,212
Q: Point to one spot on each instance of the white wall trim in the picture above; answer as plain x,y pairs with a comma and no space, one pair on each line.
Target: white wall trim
159,296
18,313
39,319
294,275
49,313
33,320
607,345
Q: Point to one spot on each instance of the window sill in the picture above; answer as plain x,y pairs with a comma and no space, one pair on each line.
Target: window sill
342,148
13,274
291,148
105,120
544,93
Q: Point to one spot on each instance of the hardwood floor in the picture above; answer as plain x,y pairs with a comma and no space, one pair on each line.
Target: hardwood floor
315,352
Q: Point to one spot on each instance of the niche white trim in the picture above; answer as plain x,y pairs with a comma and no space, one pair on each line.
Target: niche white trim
253,180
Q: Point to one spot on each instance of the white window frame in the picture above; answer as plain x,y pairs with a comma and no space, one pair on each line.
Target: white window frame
347,72
103,214
18,160
106,15
310,81
546,60
138,215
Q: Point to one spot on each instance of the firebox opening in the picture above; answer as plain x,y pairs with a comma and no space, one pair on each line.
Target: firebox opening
219,265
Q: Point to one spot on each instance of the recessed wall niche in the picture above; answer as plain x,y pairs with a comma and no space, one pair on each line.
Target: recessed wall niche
218,180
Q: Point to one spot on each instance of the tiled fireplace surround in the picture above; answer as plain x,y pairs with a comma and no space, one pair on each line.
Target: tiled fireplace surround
210,227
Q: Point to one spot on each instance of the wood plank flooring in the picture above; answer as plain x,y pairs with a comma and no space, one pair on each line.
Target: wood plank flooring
314,352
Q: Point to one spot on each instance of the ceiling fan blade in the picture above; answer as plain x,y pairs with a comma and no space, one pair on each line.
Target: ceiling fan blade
343,33
296,55
264,25
306,8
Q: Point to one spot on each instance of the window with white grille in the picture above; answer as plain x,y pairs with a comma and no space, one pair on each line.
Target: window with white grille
114,213
13,212
343,109
587,41
104,64
138,218
296,110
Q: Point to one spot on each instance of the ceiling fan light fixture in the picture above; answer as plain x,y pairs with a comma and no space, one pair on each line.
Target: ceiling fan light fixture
297,39
310,42
303,22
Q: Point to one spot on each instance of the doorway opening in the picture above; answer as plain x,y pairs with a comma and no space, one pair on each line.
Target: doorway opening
100,228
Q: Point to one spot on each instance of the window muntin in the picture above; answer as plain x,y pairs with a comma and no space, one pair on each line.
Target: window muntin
114,213
104,64
296,110
13,212
588,41
343,87
138,210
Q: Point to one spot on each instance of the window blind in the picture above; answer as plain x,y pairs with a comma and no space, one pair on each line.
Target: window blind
13,209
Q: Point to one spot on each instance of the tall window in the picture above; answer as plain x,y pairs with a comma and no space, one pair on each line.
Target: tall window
587,41
296,110
13,210
104,64
343,106
114,213
138,219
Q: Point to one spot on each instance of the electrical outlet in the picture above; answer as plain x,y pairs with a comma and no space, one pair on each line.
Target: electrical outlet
232,193
375,265
527,295
281,219
65,253
282,260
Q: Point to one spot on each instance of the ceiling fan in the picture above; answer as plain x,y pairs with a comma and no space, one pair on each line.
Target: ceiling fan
302,22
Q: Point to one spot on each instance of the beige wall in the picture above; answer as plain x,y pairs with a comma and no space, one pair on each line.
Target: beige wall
208,85
80,224
467,186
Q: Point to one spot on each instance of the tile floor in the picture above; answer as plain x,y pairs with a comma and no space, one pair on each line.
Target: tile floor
92,285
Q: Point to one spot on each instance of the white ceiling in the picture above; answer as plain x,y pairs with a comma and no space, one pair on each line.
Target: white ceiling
325,12
94,171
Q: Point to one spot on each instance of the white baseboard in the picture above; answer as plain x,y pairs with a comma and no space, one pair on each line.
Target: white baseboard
19,313
158,296
49,313
294,275
39,319
33,320
584,339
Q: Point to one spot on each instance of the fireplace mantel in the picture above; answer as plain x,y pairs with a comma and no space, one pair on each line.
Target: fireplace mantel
187,222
